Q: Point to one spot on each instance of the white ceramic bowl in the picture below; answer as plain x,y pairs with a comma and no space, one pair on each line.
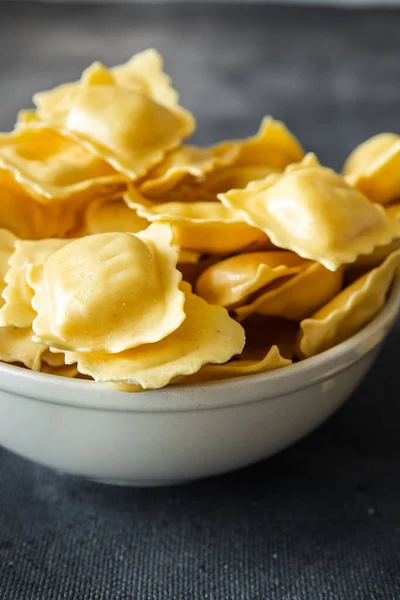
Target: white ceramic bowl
183,432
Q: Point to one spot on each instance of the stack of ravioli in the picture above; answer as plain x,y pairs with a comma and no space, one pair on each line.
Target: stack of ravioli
131,258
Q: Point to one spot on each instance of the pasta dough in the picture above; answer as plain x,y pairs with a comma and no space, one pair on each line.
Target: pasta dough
207,227
374,168
108,292
310,210
349,311
296,297
207,335
17,310
51,166
231,281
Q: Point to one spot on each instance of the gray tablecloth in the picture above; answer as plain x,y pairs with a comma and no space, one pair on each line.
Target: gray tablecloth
321,520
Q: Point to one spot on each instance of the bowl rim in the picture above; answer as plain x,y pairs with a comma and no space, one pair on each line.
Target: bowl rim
79,393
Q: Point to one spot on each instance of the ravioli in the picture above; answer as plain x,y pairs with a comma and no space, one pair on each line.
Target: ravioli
108,292
52,167
27,116
239,368
374,168
207,335
108,215
16,346
231,281
234,177
273,146
296,297
25,217
17,310
375,258
207,227
120,124
310,210
184,162
60,371
143,72
349,311
192,268
193,174
53,360
7,245
136,132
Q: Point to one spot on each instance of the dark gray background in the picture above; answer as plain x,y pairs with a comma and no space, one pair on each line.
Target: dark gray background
319,521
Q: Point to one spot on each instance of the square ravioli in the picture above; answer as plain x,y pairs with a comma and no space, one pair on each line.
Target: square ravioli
207,335
136,132
312,211
130,280
143,72
53,167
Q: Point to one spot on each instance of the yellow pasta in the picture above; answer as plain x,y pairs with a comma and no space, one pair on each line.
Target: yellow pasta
131,149
349,311
192,269
207,335
374,168
375,258
296,297
239,368
27,116
185,162
310,210
16,346
107,215
234,177
207,227
53,360
60,371
25,217
231,281
136,132
393,211
52,167
273,146
107,219
7,245
143,72
194,174
17,309
108,292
